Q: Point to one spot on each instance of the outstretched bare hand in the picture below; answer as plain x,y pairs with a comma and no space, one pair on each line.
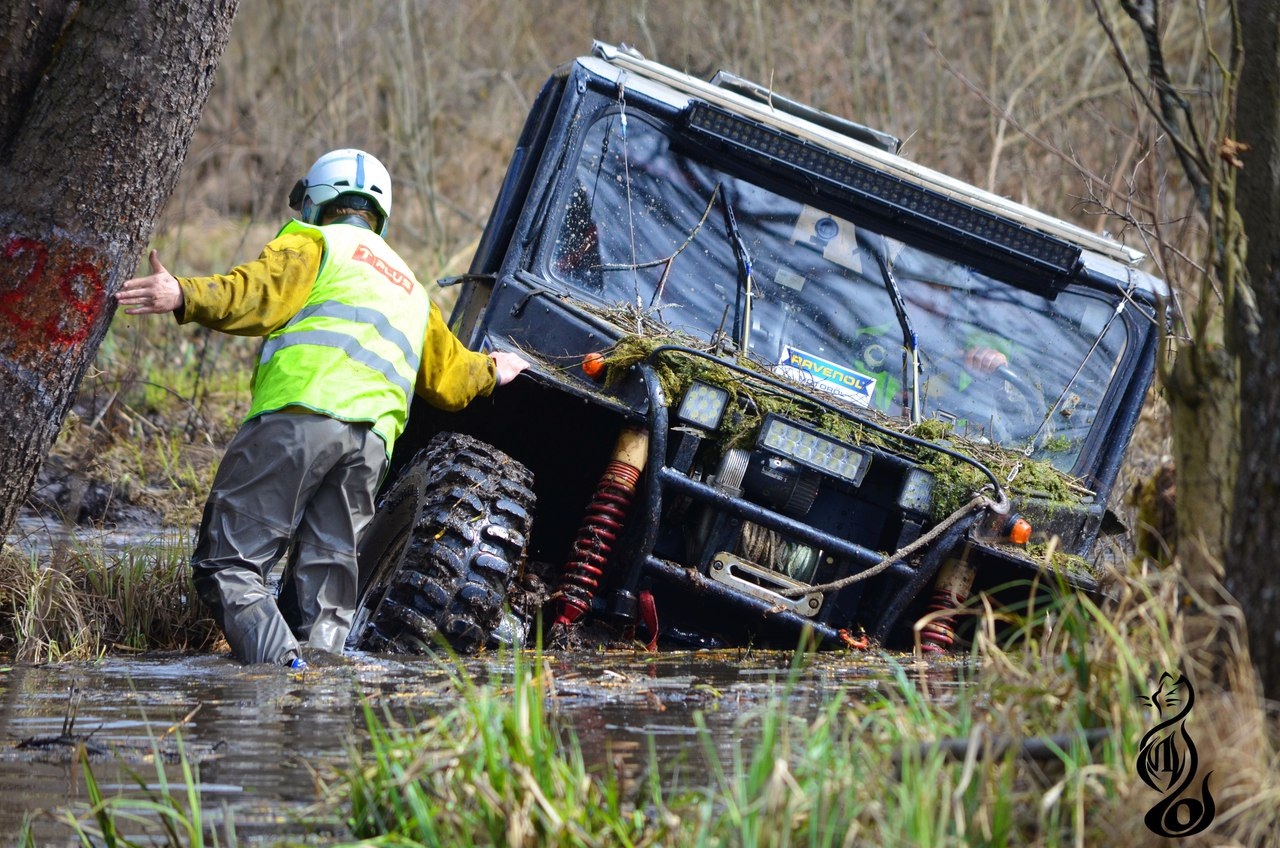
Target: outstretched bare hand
151,295
507,365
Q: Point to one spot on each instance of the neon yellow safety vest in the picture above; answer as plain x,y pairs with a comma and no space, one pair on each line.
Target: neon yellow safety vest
352,351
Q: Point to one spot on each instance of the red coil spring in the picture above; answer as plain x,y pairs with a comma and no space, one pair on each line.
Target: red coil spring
600,527
938,634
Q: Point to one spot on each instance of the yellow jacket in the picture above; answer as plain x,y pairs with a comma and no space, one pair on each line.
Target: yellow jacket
259,297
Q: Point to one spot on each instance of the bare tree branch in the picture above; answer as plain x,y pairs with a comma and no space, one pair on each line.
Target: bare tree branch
1195,162
1006,116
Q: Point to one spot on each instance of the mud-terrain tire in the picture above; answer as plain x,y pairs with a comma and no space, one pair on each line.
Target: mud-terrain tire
447,573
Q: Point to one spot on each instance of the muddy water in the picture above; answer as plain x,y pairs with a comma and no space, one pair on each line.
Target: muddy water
41,535
260,734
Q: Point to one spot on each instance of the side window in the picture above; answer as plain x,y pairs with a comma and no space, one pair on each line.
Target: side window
640,229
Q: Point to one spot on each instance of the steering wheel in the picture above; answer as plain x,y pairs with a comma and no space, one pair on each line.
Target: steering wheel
1011,416
1025,413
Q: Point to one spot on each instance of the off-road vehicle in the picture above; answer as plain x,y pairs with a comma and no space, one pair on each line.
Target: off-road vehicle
786,382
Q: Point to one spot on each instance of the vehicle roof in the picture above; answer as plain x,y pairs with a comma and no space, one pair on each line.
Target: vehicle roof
623,65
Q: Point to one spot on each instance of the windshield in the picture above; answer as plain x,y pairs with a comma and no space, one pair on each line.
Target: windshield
829,303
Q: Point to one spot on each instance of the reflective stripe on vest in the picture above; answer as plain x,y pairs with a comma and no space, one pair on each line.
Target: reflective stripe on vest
350,346
353,351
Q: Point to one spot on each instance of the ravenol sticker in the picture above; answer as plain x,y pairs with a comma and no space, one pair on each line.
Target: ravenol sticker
825,376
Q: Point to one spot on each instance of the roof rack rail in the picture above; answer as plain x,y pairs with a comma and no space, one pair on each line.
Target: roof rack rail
762,106
826,120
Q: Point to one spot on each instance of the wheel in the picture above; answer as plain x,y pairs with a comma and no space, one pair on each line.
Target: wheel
438,559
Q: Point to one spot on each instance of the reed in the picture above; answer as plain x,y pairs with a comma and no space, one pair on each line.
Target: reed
499,769
165,810
82,602
1037,744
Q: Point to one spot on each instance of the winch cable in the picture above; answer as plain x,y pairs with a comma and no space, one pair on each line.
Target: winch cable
979,501
626,179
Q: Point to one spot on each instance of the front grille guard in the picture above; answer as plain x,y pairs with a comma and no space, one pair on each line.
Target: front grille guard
902,581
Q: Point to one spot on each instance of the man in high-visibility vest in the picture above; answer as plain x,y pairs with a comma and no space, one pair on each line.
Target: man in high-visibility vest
350,334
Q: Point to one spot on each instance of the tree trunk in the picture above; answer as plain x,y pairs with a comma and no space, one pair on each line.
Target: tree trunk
1251,573
1204,403
1204,400
98,103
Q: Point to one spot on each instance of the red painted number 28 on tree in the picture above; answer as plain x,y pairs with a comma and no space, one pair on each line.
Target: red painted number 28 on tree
76,298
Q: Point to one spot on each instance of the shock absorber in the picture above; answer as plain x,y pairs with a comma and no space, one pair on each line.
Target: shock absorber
950,590
601,524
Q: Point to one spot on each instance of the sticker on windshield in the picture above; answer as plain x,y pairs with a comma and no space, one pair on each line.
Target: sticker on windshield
825,376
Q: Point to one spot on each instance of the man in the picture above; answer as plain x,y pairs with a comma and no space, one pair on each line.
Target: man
350,333
946,336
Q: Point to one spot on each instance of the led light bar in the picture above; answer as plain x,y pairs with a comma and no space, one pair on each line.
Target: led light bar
922,205
703,405
814,449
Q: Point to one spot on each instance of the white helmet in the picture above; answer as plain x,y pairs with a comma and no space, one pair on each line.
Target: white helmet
343,172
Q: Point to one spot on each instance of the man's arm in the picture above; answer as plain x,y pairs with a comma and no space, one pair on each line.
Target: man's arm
507,366
452,376
252,299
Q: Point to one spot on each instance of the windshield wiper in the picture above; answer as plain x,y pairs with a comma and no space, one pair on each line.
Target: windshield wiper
742,304
910,344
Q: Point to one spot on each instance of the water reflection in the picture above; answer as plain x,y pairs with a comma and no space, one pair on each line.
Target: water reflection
260,734
41,535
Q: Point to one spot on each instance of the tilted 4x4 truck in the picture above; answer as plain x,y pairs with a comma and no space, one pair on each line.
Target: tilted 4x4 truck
786,382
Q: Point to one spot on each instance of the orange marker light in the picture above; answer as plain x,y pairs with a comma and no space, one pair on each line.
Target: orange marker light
593,365
1019,530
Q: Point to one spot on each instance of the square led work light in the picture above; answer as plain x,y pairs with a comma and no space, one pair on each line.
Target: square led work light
703,405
